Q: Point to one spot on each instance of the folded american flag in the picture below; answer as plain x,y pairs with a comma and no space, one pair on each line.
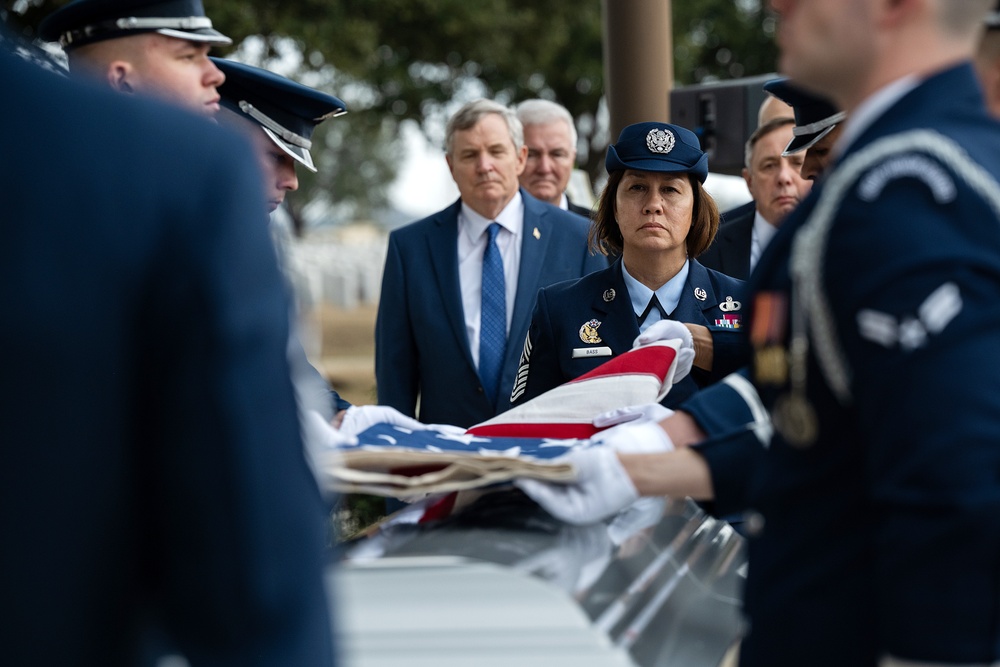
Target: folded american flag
398,461
638,377
523,442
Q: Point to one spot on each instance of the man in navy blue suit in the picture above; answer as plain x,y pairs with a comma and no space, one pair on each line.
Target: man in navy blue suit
876,505
428,336
776,185
157,490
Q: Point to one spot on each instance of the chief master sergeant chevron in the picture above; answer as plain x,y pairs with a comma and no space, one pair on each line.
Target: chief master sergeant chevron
459,286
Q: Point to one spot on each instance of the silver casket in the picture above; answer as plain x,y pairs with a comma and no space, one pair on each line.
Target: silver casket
501,582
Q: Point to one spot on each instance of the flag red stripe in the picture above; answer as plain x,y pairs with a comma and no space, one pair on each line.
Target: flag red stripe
580,430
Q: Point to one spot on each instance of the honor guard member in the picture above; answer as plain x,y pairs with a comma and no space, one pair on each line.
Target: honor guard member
817,126
151,47
283,115
279,116
874,322
656,215
168,507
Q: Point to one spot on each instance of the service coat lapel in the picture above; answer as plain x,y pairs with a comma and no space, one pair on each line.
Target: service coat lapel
622,327
734,242
691,308
534,247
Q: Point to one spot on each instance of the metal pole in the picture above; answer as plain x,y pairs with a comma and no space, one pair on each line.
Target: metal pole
638,61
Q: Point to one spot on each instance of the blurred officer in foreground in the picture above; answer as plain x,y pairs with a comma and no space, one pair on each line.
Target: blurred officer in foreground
153,47
159,488
876,501
817,126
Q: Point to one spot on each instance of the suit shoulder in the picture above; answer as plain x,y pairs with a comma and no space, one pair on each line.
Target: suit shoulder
741,212
724,282
421,227
602,280
570,222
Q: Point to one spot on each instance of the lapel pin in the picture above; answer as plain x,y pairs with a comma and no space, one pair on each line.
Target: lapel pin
609,295
700,294
537,234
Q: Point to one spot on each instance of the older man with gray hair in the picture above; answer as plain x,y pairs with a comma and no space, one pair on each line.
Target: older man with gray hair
459,286
550,135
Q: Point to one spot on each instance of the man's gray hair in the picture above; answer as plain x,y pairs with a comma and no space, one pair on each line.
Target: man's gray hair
761,132
543,112
471,113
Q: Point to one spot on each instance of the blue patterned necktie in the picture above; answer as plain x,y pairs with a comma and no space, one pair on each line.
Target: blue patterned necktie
493,317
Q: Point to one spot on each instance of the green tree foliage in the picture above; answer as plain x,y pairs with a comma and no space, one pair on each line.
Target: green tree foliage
416,60
722,39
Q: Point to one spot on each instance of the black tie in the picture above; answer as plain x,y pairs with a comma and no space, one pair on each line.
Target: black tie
653,303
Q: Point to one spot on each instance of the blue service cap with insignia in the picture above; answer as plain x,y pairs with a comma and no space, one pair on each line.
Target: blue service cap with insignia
86,21
815,116
658,147
993,18
287,111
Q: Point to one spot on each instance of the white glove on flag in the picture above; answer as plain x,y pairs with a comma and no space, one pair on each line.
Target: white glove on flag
670,330
362,417
602,487
645,437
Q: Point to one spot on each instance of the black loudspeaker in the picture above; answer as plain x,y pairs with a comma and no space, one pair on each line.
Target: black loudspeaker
723,115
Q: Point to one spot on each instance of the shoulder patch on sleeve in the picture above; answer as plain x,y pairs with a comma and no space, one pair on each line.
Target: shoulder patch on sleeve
912,331
919,167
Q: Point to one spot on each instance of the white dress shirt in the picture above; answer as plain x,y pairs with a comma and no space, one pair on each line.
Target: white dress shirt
472,240
669,295
763,232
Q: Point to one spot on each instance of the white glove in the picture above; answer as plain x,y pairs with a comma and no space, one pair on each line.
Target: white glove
320,436
361,417
670,330
602,487
645,437
651,412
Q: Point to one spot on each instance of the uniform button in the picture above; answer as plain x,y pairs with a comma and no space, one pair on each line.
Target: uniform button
754,523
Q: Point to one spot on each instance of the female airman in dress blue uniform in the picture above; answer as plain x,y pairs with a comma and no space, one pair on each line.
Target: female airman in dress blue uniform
656,215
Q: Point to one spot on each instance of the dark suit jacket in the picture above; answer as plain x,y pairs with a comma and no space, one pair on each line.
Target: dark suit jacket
421,348
562,310
153,478
730,252
579,210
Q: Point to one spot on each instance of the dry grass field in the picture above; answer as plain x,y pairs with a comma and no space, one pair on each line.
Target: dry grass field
347,350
